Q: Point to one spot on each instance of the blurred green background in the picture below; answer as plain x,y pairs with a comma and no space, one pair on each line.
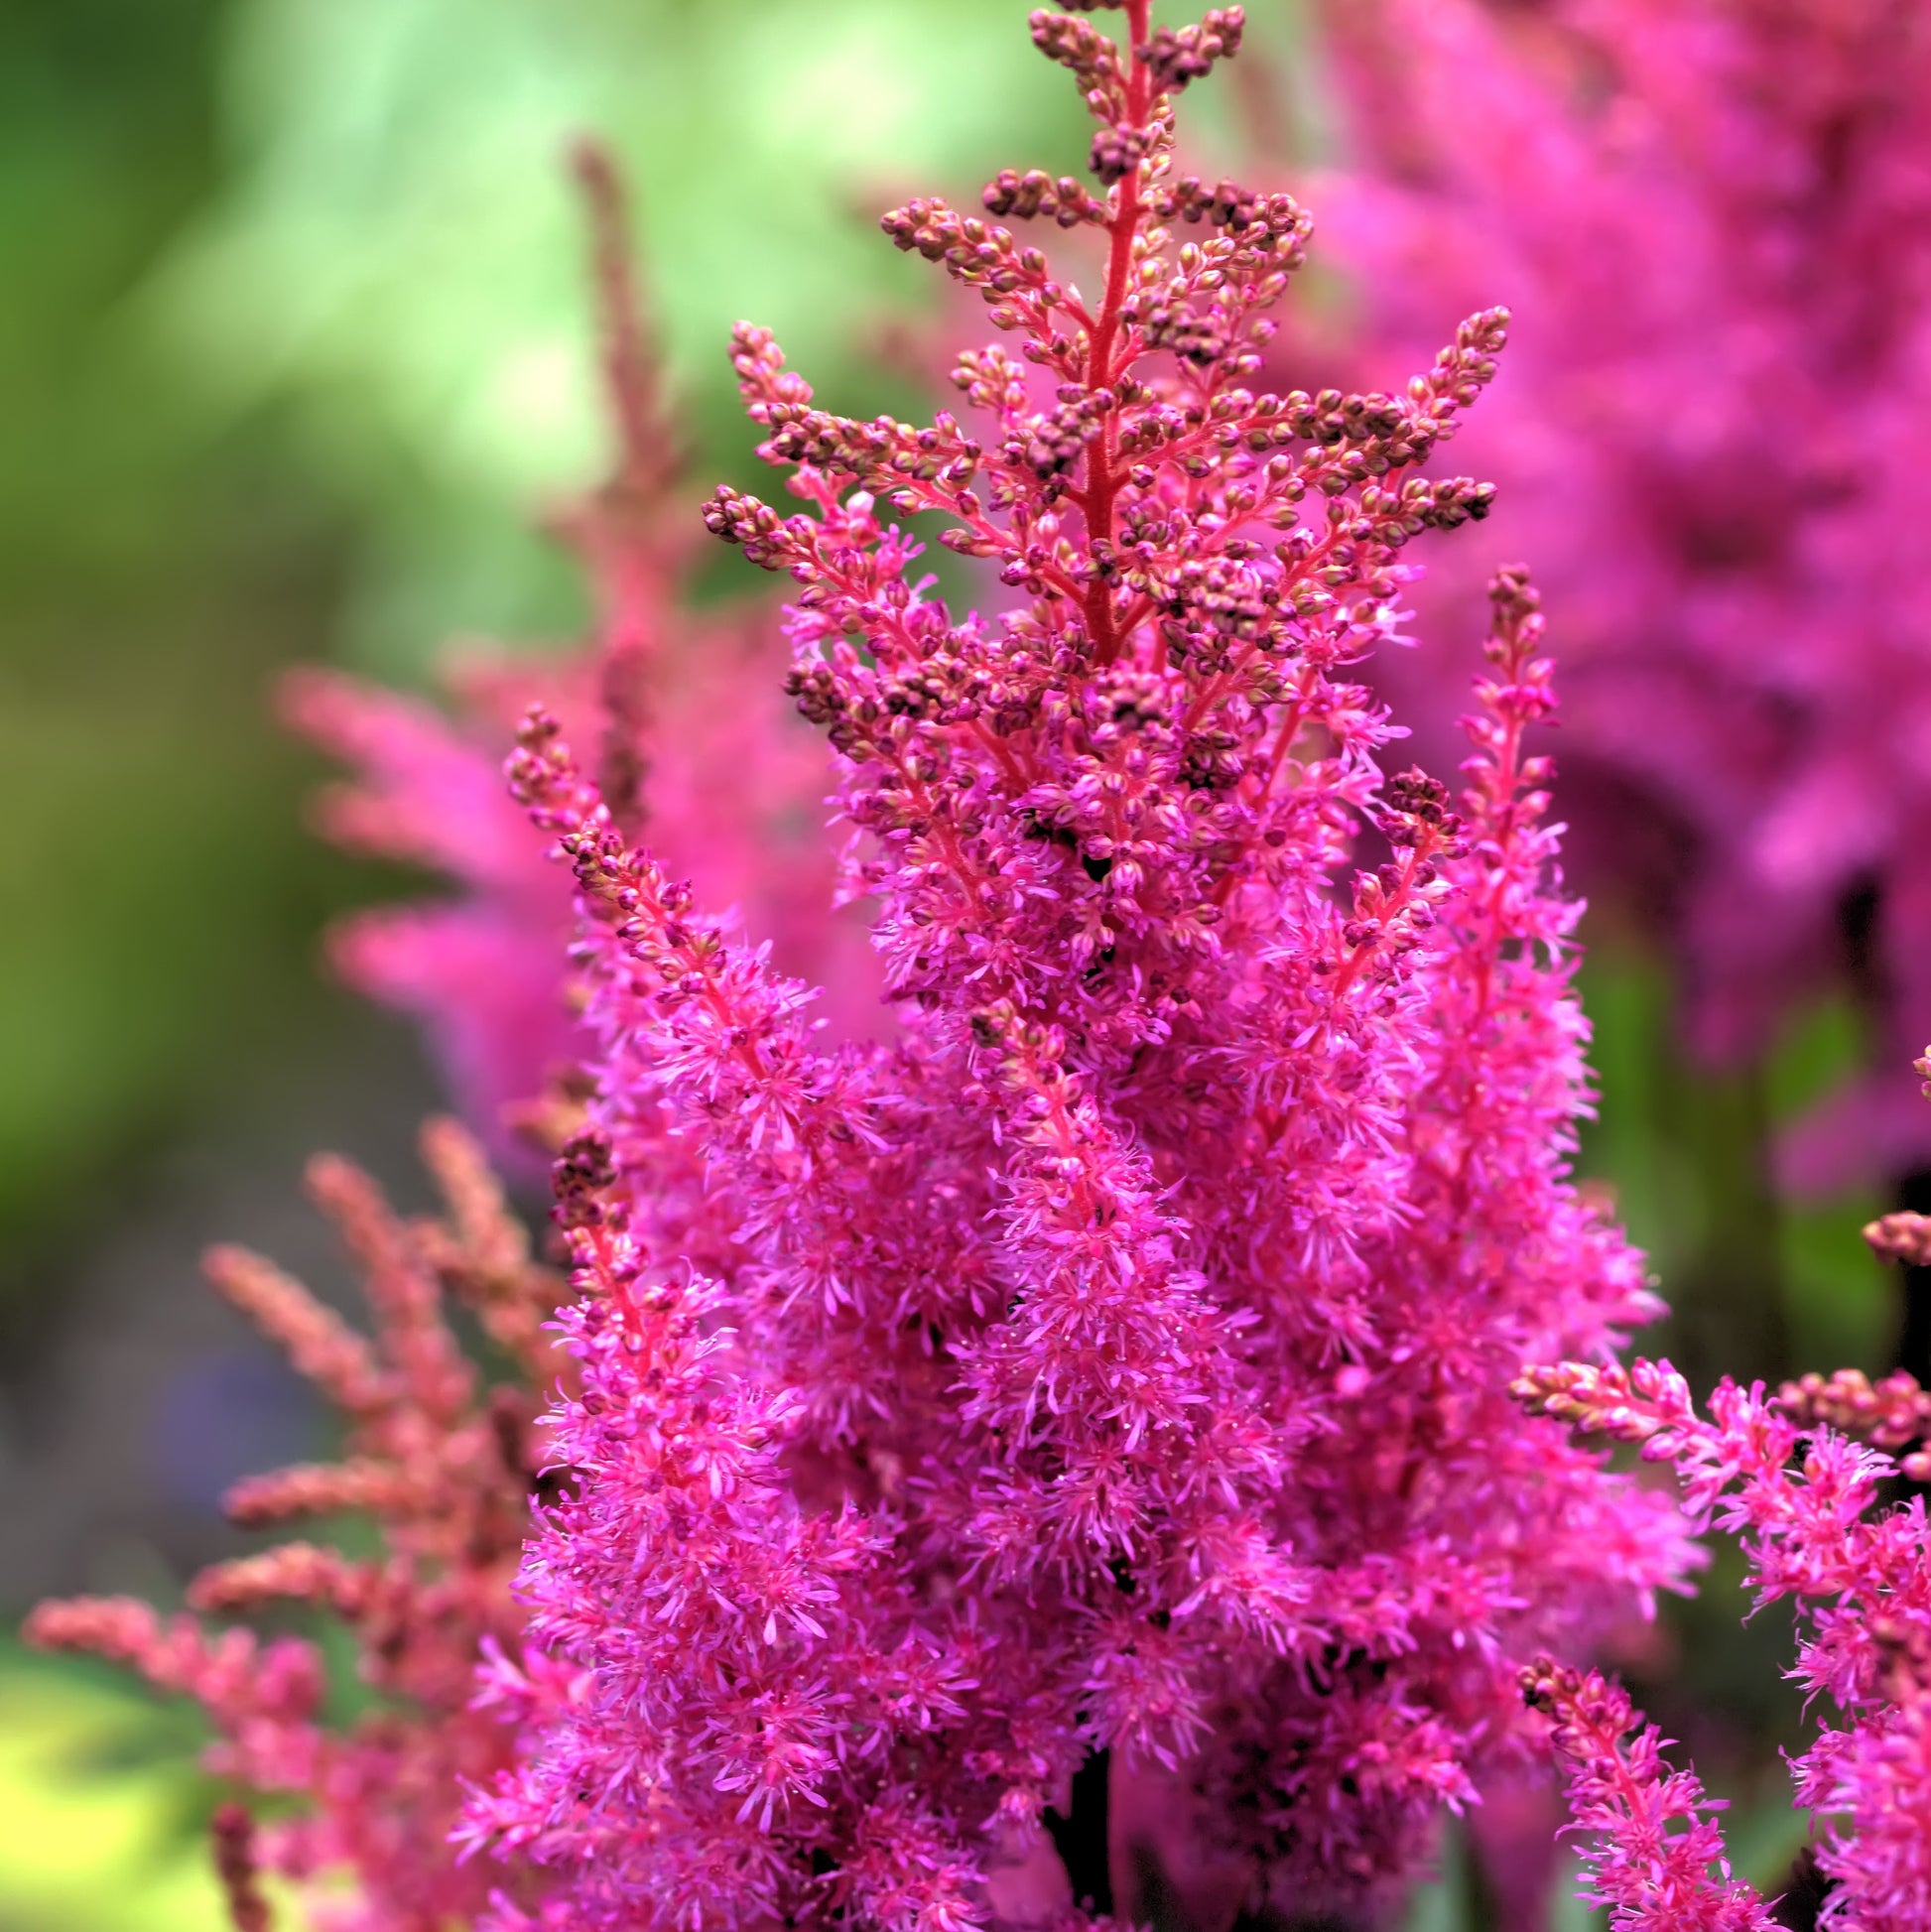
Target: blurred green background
295,344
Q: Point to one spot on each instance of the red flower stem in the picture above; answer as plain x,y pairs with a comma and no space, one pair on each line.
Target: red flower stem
1103,477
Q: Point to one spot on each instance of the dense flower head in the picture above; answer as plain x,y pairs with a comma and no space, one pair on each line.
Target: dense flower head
693,739
444,1468
1807,1503
1097,1391
1714,222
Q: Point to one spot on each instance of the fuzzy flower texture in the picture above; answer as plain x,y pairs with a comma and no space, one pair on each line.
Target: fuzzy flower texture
1790,1479
1101,1388
1071,1449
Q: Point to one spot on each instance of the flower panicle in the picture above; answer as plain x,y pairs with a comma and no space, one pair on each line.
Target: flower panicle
1660,1863
1114,1358
1806,1503
445,1473
1093,1377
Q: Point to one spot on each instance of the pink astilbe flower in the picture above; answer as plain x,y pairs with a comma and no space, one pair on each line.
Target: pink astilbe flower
446,1472
1113,1368
1653,1877
693,740
1714,222
1803,1501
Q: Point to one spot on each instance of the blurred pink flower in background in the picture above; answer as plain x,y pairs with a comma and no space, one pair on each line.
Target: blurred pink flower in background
363,1770
1712,221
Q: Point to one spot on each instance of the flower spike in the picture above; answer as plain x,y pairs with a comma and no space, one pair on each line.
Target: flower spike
1101,1385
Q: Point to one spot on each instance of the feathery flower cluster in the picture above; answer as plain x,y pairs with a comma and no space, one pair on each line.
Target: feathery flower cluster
1655,1879
693,739
1100,1391
1803,1498
1714,222
445,1470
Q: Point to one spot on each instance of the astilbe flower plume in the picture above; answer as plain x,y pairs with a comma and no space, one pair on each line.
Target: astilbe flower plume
1105,1380
357,1811
1715,220
1653,1878
692,738
1805,1501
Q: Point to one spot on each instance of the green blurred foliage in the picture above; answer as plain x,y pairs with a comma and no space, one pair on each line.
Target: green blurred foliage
102,1814
157,904
297,339
396,251
1758,1286
1760,1283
